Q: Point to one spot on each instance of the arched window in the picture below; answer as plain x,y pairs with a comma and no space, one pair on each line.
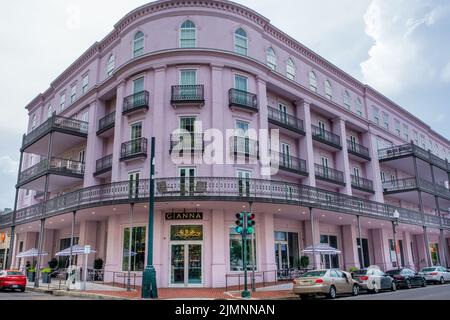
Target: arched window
347,99
290,69
111,65
359,107
240,42
313,81
187,34
138,44
271,59
328,90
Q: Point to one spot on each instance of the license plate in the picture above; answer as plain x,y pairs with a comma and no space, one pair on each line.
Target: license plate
14,286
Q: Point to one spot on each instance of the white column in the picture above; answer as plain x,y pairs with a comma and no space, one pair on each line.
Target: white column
93,145
267,242
306,143
342,162
218,248
158,119
373,166
217,115
119,127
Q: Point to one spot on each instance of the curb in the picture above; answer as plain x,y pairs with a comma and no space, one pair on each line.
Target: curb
75,294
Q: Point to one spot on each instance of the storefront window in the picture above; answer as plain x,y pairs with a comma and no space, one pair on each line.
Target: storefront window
286,250
63,262
137,249
236,252
330,260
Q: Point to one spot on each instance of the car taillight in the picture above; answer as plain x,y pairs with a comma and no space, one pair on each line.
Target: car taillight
364,278
294,281
434,273
319,281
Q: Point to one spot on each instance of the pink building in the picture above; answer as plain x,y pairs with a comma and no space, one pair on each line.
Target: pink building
350,157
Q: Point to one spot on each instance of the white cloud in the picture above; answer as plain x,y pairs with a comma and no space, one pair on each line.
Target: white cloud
401,56
8,165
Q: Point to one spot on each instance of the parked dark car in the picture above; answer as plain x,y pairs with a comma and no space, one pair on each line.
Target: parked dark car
407,278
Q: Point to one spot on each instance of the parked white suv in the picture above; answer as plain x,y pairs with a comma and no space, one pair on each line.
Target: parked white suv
374,280
436,274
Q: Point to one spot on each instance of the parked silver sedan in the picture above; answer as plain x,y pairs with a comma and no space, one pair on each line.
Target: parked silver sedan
436,274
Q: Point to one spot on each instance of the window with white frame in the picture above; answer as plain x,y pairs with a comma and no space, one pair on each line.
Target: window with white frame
240,41
376,115
358,107
312,81
33,122
111,65
386,120
187,34
290,69
416,137
405,132
397,127
422,141
347,99
84,88
49,110
73,93
62,101
271,59
328,90
138,44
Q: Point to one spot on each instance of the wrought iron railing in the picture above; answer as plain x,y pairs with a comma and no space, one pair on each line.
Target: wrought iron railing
187,142
243,146
104,164
218,189
413,183
243,99
138,100
188,94
362,183
56,123
330,174
412,149
107,122
285,120
55,165
325,136
358,149
134,148
288,163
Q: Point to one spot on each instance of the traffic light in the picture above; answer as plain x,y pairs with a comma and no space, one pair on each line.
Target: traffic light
239,222
250,223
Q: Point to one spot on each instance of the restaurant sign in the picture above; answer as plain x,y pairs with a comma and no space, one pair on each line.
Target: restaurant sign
184,216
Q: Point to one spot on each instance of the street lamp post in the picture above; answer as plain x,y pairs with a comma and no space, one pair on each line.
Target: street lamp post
149,288
394,229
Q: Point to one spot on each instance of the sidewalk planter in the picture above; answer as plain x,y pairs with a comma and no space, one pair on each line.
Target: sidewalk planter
46,278
31,275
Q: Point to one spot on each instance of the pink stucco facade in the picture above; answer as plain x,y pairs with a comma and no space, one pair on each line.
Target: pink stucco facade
212,55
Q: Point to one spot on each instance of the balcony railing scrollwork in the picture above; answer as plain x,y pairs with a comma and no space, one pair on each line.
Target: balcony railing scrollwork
187,143
136,101
106,123
326,137
358,150
243,99
362,183
103,165
285,120
188,94
289,163
329,174
133,149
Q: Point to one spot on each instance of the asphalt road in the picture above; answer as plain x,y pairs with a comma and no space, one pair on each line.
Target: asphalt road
430,292
29,295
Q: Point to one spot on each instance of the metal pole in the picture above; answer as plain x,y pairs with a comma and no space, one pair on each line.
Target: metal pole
149,287
245,293
313,235
361,262
130,241
427,246
394,229
40,245
72,234
444,249
253,253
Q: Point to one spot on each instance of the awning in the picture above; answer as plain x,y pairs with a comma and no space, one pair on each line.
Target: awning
321,249
76,250
31,253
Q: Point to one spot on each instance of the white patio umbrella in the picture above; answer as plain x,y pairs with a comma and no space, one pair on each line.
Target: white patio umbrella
321,249
31,253
76,250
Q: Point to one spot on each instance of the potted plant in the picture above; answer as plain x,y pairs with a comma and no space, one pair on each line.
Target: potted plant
53,264
31,273
352,269
304,262
46,275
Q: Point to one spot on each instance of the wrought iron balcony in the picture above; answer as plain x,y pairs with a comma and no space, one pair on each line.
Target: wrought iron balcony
362,184
326,137
411,149
187,143
54,166
135,102
219,189
289,163
103,165
243,147
409,184
243,100
188,94
358,150
328,174
106,123
56,123
286,121
136,148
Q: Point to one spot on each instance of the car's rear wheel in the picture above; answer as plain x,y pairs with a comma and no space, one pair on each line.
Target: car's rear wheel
393,286
424,283
375,289
408,284
304,296
355,290
22,289
441,281
332,293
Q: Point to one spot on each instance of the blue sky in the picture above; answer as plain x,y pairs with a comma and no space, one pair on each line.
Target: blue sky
400,47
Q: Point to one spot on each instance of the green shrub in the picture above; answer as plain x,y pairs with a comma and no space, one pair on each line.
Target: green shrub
98,264
46,270
304,261
353,269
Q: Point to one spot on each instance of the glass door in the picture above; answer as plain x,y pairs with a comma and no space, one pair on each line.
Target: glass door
322,129
187,124
133,179
242,143
325,167
187,177
244,182
194,264
188,80
283,113
186,264
286,155
177,273
135,134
